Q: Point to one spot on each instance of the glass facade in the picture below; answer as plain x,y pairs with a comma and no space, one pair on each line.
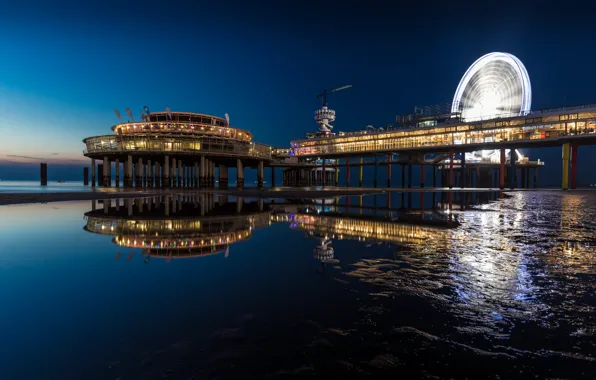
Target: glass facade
190,145
491,131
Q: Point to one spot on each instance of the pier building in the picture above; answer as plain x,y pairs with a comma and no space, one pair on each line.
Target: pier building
175,149
490,117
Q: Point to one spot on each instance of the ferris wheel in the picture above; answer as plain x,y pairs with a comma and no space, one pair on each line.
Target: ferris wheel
497,84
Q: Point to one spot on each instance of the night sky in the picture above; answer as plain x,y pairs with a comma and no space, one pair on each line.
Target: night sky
65,67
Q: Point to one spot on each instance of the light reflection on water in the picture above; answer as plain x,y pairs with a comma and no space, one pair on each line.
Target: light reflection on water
367,290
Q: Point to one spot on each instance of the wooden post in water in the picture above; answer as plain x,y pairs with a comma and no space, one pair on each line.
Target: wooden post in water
44,174
86,176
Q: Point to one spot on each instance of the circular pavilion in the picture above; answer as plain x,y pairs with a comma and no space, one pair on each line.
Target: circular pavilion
175,149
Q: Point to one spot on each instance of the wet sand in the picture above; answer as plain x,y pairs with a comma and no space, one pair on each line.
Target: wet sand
251,192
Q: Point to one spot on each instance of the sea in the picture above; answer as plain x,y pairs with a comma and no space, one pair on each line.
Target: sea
188,286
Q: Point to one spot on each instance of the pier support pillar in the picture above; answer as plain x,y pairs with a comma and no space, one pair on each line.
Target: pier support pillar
522,183
173,174
106,169
149,174
512,173
422,175
86,176
403,176
166,172
93,168
573,166
180,173
565,182
196,174
239,173
434,176
347,171
389,160
260,173
451,154
324,172
117,167
202,169
139,173
223,176
158,174
409,172
375,171
128,171
361,169
463,170
535,176
502,170
273,176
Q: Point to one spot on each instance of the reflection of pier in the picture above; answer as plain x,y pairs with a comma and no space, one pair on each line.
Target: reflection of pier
178,226
381,226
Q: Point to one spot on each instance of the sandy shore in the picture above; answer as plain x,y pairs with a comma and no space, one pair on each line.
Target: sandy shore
279,193
21,198
251,192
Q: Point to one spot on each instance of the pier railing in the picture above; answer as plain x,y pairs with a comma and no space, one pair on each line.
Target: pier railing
114,144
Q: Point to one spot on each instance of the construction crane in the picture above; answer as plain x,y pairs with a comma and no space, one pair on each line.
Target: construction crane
324,93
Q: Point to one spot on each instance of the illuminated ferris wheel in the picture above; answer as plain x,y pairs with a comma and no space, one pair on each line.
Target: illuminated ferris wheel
497,84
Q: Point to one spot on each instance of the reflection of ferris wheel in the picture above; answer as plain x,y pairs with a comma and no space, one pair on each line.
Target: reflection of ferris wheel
496,84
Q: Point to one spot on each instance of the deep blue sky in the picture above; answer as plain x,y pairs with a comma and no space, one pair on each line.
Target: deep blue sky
66,66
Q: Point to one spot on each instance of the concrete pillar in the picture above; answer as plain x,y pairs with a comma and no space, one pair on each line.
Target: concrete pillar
166,172
106,164
324,171
93,168
128,171
149,173
207,172
212,173
410,172
347,171
139,172
223,176
336,175
502,170
239,173
174,173
574,148
86,176
512,171
180,173
522,183
117,167
565,181
158,174
434,177
273,176
389,160
403,176
451,156
43,167
422,175
196,174
375,171
360,170
260,173
202,169
464,173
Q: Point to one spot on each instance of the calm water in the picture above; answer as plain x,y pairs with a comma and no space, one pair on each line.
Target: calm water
205,288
